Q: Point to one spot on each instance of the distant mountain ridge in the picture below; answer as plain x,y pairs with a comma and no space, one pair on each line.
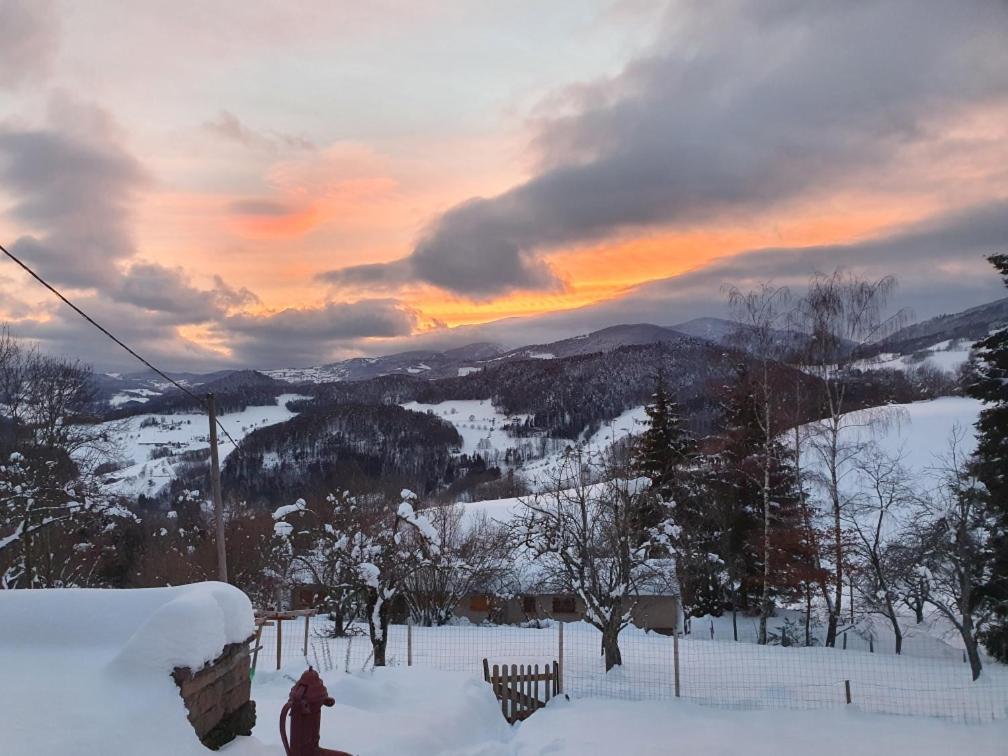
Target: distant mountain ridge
136,389
969,325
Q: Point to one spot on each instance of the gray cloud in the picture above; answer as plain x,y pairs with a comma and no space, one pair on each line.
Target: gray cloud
742,107
74,184
169,291
314,335
30,41
229,127
260,206
940,265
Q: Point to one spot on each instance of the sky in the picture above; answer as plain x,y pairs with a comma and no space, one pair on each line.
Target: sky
269,184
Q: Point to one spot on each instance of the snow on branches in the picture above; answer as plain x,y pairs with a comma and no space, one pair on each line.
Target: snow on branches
370,548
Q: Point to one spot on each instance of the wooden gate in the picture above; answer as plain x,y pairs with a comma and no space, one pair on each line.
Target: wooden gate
517,687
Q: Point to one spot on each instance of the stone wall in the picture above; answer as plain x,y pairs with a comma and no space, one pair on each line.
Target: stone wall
217,696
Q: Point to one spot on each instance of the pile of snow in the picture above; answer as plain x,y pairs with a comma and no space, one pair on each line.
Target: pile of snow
88,671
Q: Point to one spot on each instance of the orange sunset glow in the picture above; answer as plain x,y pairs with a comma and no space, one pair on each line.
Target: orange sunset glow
336,171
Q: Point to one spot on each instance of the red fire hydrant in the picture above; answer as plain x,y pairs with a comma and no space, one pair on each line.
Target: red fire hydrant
304,705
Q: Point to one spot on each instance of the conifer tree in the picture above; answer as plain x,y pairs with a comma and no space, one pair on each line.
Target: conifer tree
990,385
665,447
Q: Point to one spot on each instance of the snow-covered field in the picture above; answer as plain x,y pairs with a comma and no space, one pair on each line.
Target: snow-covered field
480,424
418,712
632,422
173,434
87,672
946,355
720,673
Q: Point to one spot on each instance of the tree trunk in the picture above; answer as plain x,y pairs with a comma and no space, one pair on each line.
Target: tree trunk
765,598
610,646
894,621
379,633
970,641
808,615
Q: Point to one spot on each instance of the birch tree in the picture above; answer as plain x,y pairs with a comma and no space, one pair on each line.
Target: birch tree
762,314
841,314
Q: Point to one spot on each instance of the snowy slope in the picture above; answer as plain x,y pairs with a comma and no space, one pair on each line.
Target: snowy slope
918,432
138,435
632,422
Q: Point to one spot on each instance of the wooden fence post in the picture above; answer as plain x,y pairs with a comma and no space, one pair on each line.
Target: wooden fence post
560,665
846,684
675,661
409,643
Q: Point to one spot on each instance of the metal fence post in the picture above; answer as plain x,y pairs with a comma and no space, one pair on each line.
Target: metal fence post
306,636
279,627
846,684
409,643
675,661
560,661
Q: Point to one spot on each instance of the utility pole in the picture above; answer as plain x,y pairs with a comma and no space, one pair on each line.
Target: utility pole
215,489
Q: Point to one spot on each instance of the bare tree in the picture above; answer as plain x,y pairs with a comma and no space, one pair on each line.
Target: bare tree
955,558
762,315
841,314
884,492
474,557
584,535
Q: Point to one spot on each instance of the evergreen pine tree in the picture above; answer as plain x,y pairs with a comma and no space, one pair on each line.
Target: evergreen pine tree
990,385
665,446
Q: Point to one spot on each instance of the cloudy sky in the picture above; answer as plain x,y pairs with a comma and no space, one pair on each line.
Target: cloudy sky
271,184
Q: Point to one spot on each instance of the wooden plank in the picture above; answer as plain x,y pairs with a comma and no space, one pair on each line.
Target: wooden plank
486,670
499,690
536,688
255,654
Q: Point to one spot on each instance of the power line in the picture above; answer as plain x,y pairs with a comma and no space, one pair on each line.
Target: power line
108,333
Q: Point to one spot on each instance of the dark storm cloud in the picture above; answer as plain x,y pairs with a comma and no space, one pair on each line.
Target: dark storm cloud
74,185
310,336
745,105
29,41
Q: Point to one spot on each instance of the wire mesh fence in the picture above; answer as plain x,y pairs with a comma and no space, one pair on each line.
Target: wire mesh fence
716,673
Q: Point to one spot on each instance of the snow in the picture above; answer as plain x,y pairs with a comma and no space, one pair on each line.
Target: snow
946,355
632,422
796,692
918,432
88,671
287,509
464,371
597,726
479,423
179,433
141,395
